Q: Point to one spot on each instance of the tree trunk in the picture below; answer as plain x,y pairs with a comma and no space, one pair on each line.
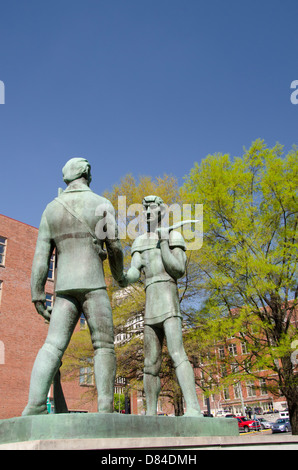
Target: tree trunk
178,405
293,413
289,388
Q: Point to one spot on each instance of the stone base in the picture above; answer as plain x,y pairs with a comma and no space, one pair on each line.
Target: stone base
150,446
111,426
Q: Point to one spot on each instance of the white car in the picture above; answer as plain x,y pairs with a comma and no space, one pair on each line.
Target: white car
264,423
221,413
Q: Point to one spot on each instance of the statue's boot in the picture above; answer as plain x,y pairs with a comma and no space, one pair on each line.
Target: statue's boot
105,374
186,381
45,367
152,391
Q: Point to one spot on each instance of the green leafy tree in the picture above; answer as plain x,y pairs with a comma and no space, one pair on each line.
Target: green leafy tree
247,267
119,401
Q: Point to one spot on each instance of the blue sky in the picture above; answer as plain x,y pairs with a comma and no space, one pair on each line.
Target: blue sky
138,86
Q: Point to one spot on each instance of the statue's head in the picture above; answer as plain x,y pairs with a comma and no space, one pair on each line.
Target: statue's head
155,209
76,168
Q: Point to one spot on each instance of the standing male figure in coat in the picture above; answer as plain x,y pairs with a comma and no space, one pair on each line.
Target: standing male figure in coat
69,225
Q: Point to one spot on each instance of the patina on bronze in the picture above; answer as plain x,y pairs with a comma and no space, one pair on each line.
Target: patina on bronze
160,254
68,225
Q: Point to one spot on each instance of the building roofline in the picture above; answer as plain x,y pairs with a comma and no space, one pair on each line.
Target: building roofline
18,221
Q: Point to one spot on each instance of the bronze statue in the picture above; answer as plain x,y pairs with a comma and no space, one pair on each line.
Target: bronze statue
160,254
68,225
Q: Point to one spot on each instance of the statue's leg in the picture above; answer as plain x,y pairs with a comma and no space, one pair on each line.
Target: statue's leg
64,317
98,313
184,370
153,341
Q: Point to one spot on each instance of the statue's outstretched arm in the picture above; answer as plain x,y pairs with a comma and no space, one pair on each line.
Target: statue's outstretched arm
134,272
174,260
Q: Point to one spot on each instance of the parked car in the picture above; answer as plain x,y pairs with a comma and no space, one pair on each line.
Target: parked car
264,423
221,413
270,412
247,425
281,425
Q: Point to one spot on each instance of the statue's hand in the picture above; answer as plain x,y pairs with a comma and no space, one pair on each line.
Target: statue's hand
163,233
44,311
123,282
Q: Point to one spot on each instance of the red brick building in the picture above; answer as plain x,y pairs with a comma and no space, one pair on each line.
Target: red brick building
239,394
22,330
226,388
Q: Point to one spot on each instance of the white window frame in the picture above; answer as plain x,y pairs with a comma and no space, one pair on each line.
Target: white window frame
51,272
3,255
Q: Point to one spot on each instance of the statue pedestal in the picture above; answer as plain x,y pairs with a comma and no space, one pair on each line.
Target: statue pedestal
112,426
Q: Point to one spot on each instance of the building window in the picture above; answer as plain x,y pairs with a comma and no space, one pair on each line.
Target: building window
195,362
221,352
223,370
86,373
226,393
233,349
263,386
251,389
244,348
122,337
49,300
51,272
234,368
237,390
2,250
120,384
